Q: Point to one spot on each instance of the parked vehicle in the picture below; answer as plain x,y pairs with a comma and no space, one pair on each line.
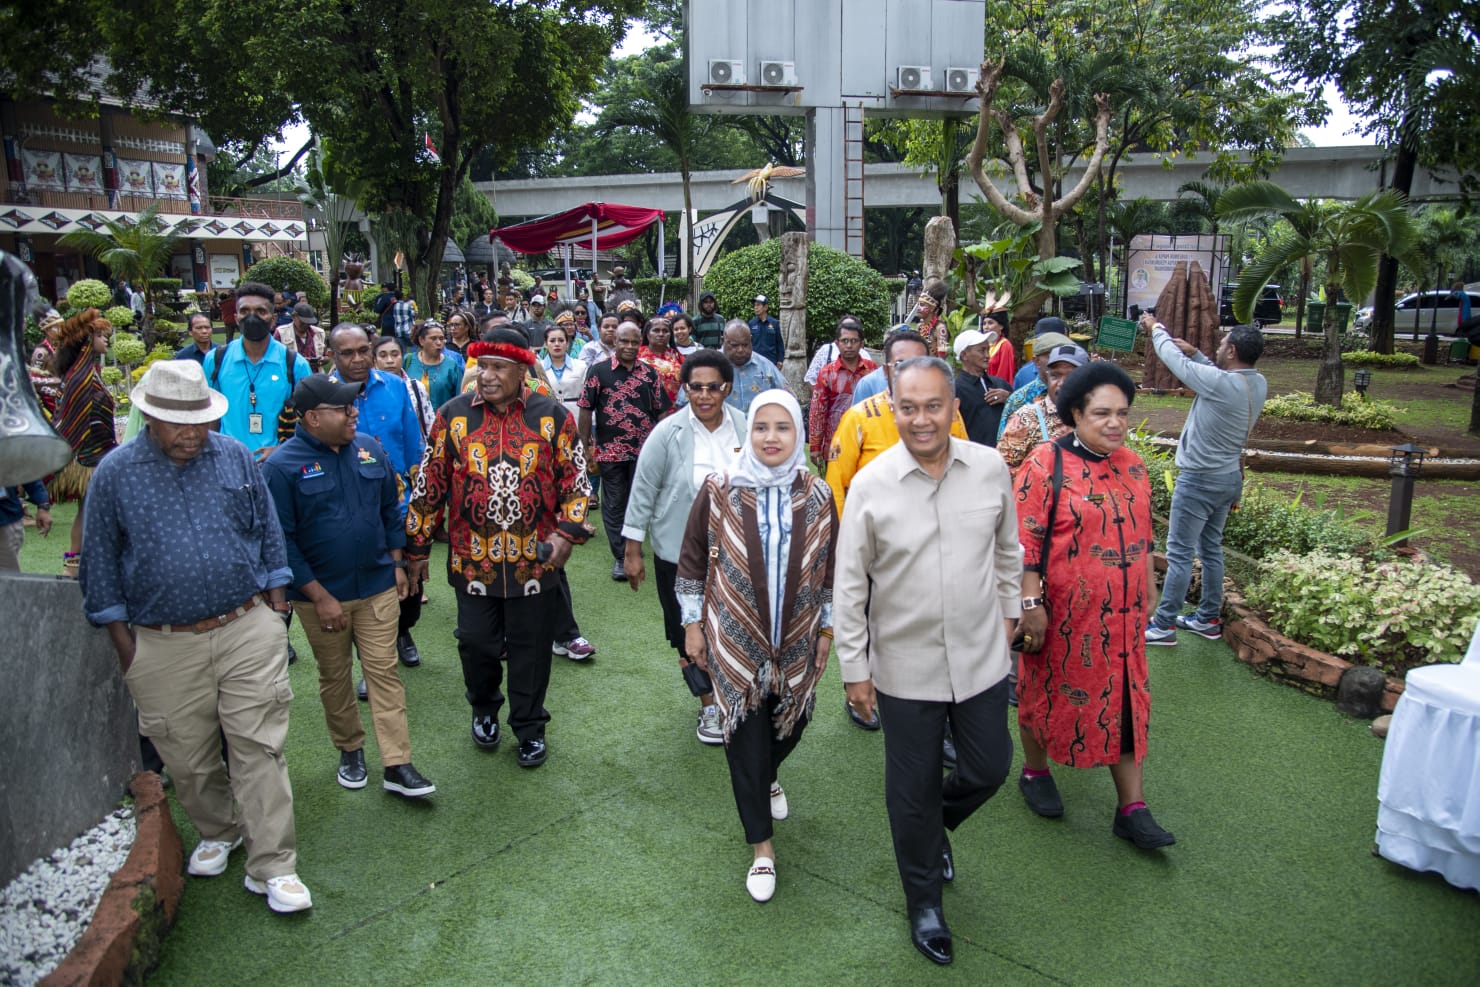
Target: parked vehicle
1268,310
1417,311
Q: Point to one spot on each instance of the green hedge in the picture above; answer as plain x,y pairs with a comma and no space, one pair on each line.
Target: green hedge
88,293
837,285
649,289
1369,358
1355,411
297,275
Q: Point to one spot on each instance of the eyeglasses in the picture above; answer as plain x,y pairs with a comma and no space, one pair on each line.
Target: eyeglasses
707,388
348,410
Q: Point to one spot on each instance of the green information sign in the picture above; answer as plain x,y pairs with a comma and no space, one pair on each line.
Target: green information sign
1116,334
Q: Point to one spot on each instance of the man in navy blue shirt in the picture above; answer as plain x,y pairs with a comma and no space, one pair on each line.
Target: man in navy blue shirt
344,526
183,564
386,414
765,332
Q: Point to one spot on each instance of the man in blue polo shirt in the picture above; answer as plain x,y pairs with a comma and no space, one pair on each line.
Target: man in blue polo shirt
255,372
344,528
387,415
765,332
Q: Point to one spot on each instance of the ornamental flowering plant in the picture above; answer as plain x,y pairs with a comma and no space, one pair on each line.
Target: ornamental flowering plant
1394,615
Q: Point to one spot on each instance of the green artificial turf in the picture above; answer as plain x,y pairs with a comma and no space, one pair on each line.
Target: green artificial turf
621,861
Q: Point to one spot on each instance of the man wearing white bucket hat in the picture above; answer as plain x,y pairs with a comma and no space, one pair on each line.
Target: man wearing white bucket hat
184,566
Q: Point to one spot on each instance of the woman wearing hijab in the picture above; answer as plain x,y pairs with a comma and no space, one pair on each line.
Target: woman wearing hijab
755,590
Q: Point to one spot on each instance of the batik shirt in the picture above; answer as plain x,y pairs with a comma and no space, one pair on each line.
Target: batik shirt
624,405
511,478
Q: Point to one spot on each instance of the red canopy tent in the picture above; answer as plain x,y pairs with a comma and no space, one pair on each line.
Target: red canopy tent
606,223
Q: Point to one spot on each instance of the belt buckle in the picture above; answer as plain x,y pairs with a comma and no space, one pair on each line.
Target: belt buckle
221,619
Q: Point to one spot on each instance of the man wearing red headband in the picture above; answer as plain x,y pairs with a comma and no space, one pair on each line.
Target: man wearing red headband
511,466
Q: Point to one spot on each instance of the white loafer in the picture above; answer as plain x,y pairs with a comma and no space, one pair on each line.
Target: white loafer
779,808
761,879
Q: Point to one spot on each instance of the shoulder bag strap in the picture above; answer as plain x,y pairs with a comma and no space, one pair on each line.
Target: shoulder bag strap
1057,486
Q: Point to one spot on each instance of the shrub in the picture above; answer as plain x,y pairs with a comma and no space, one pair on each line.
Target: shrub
292,273
1393,615
120,316
1355,411
127,349
89,293
160,352
836,285
648,290
112,376
1268,522
1369,358
522,279
164,286
168,333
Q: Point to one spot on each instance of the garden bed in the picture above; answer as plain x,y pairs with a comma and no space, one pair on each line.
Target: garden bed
1271,653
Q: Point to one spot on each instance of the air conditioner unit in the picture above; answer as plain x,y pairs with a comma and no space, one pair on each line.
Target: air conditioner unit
962,78
778,73
726,72
913,77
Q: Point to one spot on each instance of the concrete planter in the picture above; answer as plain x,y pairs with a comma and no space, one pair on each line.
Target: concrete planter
122,943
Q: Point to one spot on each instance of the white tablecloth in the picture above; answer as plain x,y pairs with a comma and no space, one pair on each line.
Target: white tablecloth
1428,815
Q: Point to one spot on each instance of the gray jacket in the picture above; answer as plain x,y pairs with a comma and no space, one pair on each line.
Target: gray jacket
663,489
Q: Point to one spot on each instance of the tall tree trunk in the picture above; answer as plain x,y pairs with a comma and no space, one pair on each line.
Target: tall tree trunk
1331,376
1386,291
1305,276
688,240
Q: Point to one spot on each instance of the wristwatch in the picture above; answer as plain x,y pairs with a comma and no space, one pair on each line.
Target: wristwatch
399,563
1032,602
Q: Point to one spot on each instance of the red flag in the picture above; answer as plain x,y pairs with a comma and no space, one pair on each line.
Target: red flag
432,150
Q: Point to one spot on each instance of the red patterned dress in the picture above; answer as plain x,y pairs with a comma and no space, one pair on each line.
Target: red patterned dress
668,365
1084,697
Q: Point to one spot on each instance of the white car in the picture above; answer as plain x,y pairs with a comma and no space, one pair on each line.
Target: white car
1415,312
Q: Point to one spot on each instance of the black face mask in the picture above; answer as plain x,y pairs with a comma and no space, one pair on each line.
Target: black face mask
255,328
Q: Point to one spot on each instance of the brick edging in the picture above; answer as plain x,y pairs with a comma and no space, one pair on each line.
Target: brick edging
122,943
1269,652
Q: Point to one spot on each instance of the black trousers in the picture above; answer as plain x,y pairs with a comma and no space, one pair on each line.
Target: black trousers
566,628
518,630
616,483
410,613
665,575
921,804
754,754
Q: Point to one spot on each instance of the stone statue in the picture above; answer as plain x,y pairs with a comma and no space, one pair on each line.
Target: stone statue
940,248
793,295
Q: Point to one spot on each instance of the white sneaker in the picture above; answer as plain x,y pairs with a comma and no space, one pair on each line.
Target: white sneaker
284,894
779,808
709,731
209,857
760,880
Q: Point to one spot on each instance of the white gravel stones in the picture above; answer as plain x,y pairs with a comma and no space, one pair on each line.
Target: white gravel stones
45,910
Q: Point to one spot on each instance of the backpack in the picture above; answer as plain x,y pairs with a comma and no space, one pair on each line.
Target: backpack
288,418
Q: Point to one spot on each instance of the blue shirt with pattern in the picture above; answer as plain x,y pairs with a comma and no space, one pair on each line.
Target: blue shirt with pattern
168,544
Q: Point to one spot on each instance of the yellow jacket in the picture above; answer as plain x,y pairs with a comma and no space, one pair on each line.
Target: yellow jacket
864,431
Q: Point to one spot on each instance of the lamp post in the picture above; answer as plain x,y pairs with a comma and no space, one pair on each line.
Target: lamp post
1404,466
1362,381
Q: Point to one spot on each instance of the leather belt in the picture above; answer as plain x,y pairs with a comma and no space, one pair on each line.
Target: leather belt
207,625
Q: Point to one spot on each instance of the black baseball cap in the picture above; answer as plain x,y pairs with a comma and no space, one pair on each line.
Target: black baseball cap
321,390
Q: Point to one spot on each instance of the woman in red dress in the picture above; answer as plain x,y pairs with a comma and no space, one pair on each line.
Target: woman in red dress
657,353
84,415
1088,590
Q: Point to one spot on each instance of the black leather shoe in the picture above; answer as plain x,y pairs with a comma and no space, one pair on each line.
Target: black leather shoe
948,752
532,752
352,769
1042,795
931,936
1142,830
406,651
485,732
362,691
872,723
618,573
947,862
404,779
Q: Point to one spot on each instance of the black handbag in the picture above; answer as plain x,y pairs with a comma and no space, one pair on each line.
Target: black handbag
697,678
